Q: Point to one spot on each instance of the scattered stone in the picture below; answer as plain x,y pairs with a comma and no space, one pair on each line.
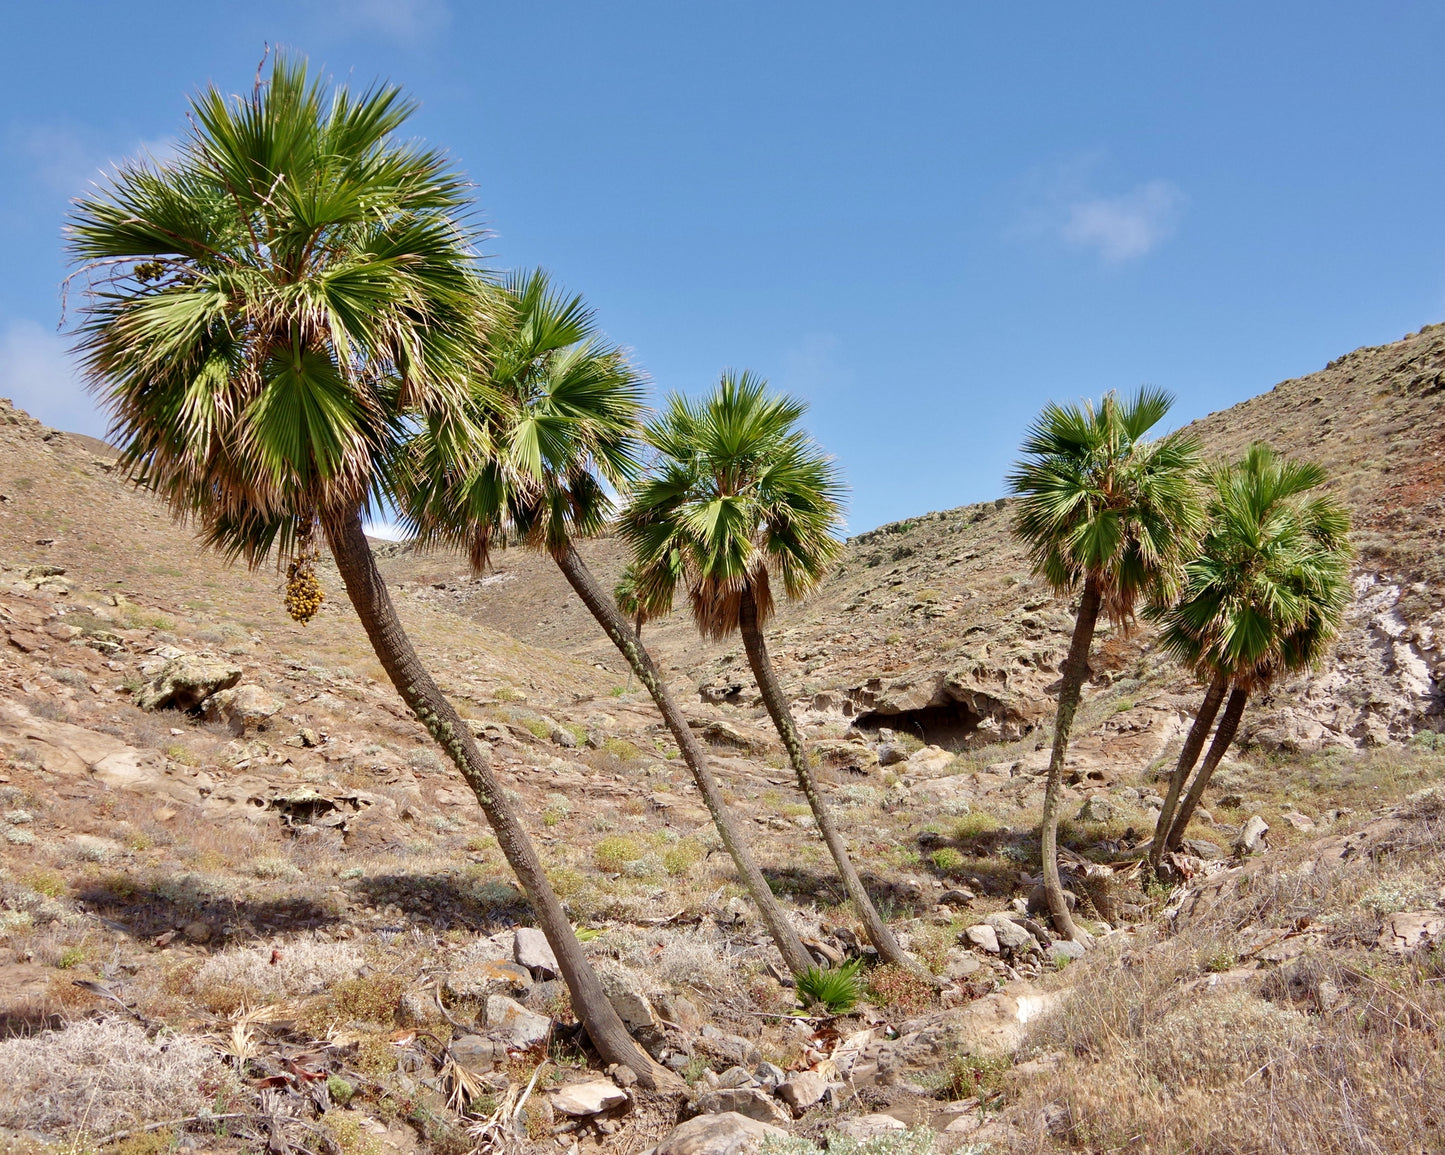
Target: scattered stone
960,964
983,936
244,709
891,755
1252,838
1064,949
729,1133
1198,847
862,1128
476,1053
930,760
515,1024
736,1077
1098,809
483,977
1039,900
1301,822
531,949
591,1098
752,1102
770,1075
1011,936
1409,931
628,1000
563,737
802,1090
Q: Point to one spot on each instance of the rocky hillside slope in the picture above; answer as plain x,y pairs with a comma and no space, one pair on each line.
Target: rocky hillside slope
932,625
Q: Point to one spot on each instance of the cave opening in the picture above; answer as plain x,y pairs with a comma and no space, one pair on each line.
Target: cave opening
950,725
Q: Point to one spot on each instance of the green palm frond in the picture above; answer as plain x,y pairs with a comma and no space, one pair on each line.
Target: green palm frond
1098,501
265,312
551,429
1269,587
736,496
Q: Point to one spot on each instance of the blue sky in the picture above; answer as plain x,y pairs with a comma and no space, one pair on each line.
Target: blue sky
928,219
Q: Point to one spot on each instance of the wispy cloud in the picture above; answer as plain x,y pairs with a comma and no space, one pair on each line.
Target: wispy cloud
405,20
37,373
67,160
1126,227
1064,203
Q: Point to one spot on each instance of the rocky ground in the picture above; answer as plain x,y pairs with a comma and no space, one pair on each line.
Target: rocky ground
244,904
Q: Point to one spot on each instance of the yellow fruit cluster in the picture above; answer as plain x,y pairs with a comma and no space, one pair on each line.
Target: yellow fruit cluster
304,594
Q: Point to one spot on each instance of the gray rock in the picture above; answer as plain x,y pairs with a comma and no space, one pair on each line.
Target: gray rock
1198,847
591,1098
770,1075
1039,900
802,1090
736,1077
512,1023
563,737
531,949
1302,822
1097,809
891,755
983,936
184,682
1252,838
1411,930
628,1000
477,980
862,1128
960,964
1065,949
752,1102
728,1133
244,709
1011,936
476,1053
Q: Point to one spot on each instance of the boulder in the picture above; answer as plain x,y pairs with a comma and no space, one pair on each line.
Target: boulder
244,709
510,1022
531,950
477,1054
803,1090
1252,838
728,1133
930,760
1011,936
891,755
629,1000
184,682
983,936
1064,949
750,1102
1097,809
483,977
591,1098
1411,930
862,1128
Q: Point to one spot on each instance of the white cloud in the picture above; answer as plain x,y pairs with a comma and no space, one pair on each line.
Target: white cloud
406,20
1125,227
38,374
387,531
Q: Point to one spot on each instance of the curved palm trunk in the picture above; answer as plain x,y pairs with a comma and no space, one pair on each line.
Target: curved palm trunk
570,562
1228,727
1076,666
368,594
1188,756
772,691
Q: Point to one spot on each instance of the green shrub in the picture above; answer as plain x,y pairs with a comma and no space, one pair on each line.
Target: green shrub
611,853
948,860
836,990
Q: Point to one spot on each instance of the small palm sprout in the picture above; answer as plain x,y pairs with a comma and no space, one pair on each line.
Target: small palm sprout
836,989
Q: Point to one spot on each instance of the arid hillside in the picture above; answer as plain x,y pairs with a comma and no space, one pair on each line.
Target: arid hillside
245,905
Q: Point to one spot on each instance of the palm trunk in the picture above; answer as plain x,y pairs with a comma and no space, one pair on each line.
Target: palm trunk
1228,727
1076,666
757,650
570,562
368,594
1189,755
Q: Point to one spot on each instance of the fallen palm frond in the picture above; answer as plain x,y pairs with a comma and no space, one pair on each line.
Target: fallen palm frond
497,1133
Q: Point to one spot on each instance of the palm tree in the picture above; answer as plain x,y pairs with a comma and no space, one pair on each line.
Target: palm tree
739,494
565,430
1265,596
1109,514
268,312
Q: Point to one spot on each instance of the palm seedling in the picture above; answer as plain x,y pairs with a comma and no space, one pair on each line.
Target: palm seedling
558,415
740,496
268,313
1109,515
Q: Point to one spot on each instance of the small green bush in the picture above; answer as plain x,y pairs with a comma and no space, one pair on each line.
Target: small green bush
611,853
948,860
836,990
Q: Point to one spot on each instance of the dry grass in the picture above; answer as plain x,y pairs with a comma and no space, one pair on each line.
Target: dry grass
1340,1048
249,976
95,1077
